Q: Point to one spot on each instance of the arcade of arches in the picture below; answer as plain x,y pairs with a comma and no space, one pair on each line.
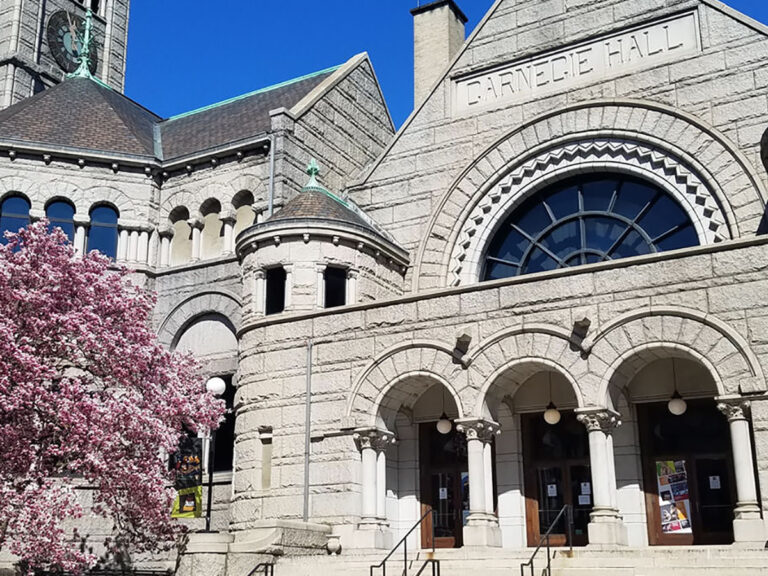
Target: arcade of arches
631,472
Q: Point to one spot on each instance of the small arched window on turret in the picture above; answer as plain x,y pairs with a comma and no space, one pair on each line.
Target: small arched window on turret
102,235
335,286
61,214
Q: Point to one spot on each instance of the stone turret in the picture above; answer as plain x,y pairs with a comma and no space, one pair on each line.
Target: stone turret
319,251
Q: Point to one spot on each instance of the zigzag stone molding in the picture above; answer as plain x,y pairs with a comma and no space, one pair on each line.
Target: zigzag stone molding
595,155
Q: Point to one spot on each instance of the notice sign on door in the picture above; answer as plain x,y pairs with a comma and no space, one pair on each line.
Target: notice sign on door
443,494
714,482
552,490
674,502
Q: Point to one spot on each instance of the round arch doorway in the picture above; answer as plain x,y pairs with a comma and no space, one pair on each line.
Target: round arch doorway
686,457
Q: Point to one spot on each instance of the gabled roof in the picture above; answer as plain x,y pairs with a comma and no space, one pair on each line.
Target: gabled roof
235,119
81,113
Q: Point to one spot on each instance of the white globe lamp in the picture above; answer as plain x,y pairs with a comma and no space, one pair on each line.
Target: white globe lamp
552,414
216,386
444,425
677,405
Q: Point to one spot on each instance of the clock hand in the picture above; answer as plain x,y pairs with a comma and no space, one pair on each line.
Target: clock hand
73,35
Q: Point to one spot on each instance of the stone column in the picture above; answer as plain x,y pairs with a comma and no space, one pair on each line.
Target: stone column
81,230
122,245
166,235
288,286
259,299
372,530
606,527
320,291
747,524
228,219
133,245
142,253
482,527
351,286
197,229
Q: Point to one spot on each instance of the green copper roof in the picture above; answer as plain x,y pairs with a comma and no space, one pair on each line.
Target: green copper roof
255,92
314,186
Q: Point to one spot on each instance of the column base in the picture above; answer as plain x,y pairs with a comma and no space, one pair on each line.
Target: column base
482,530
371,534
606,528
205,553
749,531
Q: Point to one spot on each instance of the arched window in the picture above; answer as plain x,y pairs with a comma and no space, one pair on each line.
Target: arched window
102,235
14,215
584,220
181,245
245,216
212,237
61,214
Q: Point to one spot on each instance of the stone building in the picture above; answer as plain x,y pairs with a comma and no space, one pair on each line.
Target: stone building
545,291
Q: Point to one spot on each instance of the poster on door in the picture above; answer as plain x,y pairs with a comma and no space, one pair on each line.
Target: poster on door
674,499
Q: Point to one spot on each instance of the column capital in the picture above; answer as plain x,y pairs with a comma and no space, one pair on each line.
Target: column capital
478,429
196,222
599,419
734,407
373,438
81,220
166,231
228,216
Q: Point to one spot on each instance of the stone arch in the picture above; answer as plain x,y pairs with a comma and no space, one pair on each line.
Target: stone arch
733,365
209,302
249,182
62,189
536,344
404,391
176,199
429,358
117,199
16,185
676,141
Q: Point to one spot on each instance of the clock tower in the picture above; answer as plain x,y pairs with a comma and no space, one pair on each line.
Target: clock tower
40,42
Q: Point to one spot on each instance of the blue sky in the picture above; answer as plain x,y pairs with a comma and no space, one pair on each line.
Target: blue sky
208,51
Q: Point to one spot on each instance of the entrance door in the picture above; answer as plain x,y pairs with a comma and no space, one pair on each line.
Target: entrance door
556,463
444,485
688,476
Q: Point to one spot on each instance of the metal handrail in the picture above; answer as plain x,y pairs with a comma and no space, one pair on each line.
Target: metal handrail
545,537
267,567
435,567
403,541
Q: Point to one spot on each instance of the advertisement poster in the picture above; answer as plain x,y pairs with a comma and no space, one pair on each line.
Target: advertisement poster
674,501
187,463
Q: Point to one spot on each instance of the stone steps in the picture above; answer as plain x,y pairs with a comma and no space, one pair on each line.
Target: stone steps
672,561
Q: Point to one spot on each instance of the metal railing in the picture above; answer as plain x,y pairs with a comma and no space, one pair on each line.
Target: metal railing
266,568
404,543
545,539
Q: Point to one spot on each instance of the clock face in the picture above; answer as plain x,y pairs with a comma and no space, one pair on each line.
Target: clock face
65,39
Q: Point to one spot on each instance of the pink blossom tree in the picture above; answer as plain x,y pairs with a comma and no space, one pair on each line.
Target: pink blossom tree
89,401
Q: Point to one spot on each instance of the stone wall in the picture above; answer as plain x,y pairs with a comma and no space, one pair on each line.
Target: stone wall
717,88
703,304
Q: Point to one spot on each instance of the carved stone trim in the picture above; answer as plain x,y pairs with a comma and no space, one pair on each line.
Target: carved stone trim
658,165
373,438
600,420
478,429
734,408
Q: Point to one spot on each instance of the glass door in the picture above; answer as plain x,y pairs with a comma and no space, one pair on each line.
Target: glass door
444,486
557,473
688,475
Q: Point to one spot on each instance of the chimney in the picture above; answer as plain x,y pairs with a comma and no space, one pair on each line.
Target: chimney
438,33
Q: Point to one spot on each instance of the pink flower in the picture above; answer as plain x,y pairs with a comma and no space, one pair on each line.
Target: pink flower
90,405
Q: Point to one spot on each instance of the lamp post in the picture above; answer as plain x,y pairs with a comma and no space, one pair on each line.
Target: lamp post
215,386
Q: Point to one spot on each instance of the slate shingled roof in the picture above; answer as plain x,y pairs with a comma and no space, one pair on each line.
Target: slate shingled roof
319,205
84,114
233,120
